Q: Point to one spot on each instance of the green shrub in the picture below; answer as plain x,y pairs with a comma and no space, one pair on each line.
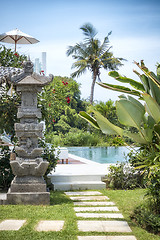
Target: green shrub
55,139
48,155
153,192
123,176
146,218
76,137
6,174
144,158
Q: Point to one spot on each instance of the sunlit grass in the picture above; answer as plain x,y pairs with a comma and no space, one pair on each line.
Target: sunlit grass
126,200
61,208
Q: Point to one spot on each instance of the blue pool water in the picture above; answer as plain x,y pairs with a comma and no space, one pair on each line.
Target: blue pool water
101,154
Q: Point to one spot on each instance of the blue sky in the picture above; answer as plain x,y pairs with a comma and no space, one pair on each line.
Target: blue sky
135,35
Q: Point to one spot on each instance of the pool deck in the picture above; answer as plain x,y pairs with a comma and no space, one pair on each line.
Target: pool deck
78,165
79,173
73,159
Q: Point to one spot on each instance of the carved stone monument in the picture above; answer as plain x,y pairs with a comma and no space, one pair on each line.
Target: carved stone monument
28,186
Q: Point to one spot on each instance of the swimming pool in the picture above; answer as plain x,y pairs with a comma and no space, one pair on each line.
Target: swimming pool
101,154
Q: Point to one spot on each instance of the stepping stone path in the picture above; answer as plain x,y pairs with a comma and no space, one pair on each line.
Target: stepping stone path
106,238
94,203
99,215
98,204
91,198
14,225
95,209
49,226
103,226
83,193
91,205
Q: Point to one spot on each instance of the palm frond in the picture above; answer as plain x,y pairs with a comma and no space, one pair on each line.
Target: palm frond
79,50
104,47
79,64
88,30
78,72
70,50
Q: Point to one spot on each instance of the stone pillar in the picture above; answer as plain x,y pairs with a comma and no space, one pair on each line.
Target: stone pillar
28,186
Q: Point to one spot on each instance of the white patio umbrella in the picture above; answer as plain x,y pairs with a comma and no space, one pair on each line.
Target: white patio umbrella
17,37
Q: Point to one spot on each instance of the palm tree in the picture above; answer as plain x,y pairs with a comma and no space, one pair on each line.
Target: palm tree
92,55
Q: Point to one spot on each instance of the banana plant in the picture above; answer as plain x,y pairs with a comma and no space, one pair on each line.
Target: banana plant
145,118
131,112
150,83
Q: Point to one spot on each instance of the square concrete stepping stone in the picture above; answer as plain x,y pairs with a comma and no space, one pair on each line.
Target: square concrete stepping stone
83,193
93,203
90,198
103,226
3,196
100,215
49,226
95,209
11,224
106,238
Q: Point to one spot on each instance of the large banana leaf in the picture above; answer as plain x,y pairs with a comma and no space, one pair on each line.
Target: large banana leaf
149,86
150,81
144,79
137,103
152,107
149,74
130,112
147,133
136,137
158,72
154,91
88,118
120,89
106,126
133,83
157,129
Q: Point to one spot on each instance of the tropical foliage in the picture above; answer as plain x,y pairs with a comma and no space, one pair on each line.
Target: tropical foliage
63,125
92,55
8,112
123,176
9,58
6,174
60,101
146,120
8,103
131,112
107,109
48,155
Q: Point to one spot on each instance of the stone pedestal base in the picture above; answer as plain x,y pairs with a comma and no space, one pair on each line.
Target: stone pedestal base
28,198
28,190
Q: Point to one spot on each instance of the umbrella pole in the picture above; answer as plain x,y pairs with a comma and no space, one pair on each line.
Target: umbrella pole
15,47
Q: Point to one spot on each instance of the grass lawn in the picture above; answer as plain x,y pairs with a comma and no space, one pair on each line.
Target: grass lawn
126,201
61,208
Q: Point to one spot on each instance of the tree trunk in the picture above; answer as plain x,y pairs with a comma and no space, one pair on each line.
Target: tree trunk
92,88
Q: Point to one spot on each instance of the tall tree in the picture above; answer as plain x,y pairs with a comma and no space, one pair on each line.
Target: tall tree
92,55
